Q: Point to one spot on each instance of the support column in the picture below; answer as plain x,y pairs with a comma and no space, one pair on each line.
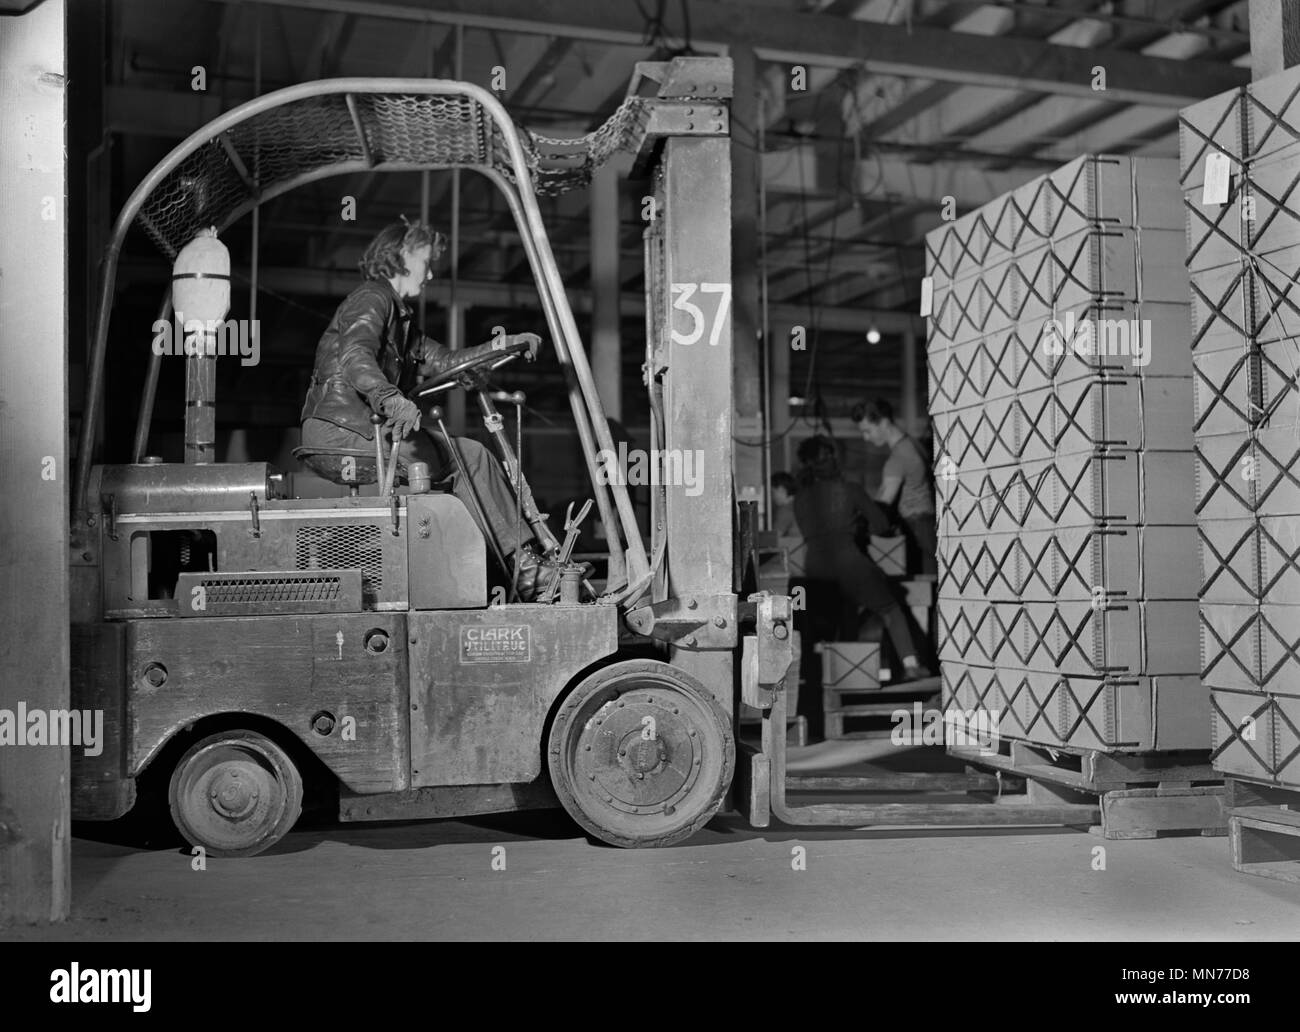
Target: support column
606,347
911,409
751,448
778,389
1274,36
34,654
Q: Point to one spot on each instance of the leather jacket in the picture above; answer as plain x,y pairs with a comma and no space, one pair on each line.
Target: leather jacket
369,352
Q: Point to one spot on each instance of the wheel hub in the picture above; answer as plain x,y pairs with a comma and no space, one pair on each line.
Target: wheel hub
639,754
233,795
640,757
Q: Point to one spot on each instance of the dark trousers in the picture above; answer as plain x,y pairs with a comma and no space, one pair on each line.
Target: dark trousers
862,590
922,535
486,478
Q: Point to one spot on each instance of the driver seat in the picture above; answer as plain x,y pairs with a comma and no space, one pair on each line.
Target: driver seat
330,464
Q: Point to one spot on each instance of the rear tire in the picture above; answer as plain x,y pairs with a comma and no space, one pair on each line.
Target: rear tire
235,794
641,754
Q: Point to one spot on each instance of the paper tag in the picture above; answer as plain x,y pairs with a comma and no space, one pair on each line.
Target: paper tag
1218,171
927,295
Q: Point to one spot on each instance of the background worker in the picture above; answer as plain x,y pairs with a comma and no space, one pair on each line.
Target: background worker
906,483
784,523
828,509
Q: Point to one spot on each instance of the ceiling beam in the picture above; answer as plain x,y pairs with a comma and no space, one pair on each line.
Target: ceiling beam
337,283
795,37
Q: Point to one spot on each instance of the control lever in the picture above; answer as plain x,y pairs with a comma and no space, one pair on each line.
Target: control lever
376,421
384,480
435,413
572,528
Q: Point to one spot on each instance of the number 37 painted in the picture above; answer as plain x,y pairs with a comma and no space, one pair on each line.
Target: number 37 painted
682,294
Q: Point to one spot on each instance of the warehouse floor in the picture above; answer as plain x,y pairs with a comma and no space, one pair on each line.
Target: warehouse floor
436,880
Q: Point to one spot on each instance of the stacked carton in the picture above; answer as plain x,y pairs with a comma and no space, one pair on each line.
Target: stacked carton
1243,252
1061,395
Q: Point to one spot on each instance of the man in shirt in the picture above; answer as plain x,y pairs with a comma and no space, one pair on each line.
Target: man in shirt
906,481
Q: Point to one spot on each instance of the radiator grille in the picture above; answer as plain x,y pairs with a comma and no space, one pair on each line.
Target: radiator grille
284,588
343,546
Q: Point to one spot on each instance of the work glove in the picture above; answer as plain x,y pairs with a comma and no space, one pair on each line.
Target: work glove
533,341
403,415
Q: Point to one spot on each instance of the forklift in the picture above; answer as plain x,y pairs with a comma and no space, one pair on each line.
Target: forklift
239,639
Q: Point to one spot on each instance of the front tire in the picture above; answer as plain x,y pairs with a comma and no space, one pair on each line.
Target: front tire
641,754
235,794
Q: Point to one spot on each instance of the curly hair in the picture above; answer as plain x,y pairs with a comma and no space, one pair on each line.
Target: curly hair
877,410
383,256
786,482
817,449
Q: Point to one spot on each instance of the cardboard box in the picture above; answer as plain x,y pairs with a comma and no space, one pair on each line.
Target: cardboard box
1228,477
1275,296
1070,490
1219,308
1092,190
1269,109
1272,187
794,553
1230,568
1121,412
1230,646
1213,231
1252,735
1137,637
1277,454
978,438
959,311
1139,714
1238,475
850,666
1162,328
1069,564
1222,388
1211,125
890,554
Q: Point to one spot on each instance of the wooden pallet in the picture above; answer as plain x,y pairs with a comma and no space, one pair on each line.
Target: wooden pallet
882,704
1142,796
1264,829
796,730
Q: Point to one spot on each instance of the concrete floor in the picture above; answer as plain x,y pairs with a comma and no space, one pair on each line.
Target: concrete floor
435,880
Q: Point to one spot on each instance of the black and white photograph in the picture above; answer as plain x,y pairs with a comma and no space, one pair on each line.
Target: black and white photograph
650,471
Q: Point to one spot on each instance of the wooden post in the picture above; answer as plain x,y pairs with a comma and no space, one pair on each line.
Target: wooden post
34,795
1274,36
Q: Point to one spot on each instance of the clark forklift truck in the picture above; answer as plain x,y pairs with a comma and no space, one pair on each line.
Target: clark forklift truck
237,637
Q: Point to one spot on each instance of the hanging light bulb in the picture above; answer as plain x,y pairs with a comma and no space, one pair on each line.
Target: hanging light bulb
873,336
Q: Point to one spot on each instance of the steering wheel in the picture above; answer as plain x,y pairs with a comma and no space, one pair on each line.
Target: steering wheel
470,371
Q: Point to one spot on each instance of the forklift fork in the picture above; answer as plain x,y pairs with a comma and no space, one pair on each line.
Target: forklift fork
763,782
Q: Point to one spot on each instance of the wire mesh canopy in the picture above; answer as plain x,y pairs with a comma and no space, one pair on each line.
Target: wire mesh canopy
316,135
314,130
